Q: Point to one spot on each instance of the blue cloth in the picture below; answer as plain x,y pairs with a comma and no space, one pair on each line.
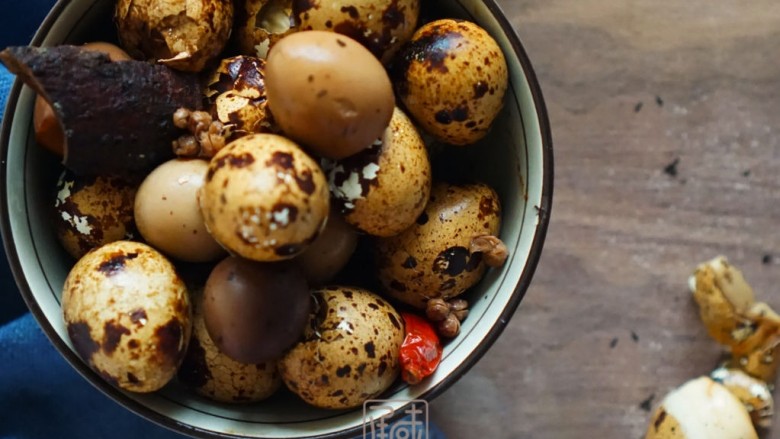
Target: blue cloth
42,397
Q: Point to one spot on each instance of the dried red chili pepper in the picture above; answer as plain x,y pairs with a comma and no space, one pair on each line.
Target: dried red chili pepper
420,351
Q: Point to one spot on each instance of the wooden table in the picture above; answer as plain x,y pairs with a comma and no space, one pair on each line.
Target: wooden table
665,116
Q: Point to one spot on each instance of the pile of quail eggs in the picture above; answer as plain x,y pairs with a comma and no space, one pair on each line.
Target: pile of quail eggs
283,256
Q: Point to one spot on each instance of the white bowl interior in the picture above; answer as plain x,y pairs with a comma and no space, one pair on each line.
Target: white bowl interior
515,159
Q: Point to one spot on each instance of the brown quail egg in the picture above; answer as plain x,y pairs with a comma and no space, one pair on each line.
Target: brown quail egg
255,311
432,258
167,213
92,211
260,24
264,198
383,189
330,252
328,92
701,409
236,92
351,351
128,315
182,34
217,376
452,77
382,26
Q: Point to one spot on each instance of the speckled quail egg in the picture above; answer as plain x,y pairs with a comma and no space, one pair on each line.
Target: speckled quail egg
383,189
255,311
259,24
701,409
328,92
236,93
431,259
452,77
92,211
382,26
167,213
182,34
351,353
216,376
128,315
264,198
330,252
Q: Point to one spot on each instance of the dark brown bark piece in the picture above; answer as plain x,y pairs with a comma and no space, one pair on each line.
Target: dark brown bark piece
117,116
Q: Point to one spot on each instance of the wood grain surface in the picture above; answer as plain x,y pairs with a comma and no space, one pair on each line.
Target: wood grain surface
665,117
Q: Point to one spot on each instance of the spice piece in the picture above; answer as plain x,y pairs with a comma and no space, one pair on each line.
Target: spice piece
494,251
421,350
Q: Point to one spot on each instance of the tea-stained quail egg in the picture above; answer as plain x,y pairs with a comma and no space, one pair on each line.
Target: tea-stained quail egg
217,376
328,92
167,213
255,311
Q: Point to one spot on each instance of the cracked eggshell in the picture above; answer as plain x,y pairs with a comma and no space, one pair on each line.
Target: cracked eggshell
384,188
182,34
236,94
92,211
701,409
382,26
351,351
328,92
167,213
128,315
259,24
216,376
452,78
431,259
264,198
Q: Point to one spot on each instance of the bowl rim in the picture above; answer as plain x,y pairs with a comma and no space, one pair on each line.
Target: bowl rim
535,253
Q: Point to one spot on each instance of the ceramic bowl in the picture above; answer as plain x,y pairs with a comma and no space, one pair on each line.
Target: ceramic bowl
516,159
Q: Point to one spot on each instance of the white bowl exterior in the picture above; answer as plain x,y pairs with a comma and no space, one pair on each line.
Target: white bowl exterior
517,172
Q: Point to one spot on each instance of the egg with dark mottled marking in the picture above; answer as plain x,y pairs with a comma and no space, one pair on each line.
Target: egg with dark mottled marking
382,26
383,189
128,315
264,198
452,78
431,259
93,211
351,351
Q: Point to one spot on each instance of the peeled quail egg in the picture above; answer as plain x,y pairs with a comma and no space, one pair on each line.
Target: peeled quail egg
167,213
328,92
